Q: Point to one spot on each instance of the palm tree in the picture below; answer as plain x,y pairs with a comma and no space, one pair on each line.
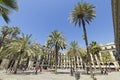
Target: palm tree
34,51
6,6
12,35
73,52
94,50
57,41
21,47
83,13
5,31
6,34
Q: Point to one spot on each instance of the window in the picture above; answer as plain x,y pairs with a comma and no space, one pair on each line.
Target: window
112,47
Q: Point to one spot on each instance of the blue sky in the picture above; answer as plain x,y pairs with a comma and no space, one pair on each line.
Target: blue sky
41,17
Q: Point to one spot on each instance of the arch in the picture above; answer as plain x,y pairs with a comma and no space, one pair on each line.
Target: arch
91,63
96,63
111,63
101,63
79,63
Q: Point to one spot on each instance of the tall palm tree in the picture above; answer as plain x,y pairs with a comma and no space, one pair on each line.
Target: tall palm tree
83,13
22,45
6,6
57,41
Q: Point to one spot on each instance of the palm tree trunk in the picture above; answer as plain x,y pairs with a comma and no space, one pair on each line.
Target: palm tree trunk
36,66
76,62
19,59
1,61
27,62
11,61
94,61
11,65
88,54
1,42
71,69
56,58
83,65
60,62
50,61
100,68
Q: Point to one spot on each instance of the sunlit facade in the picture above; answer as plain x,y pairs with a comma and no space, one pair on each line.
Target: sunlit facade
111,49
64,60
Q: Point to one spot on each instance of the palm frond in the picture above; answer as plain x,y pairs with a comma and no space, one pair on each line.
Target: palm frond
82,13
10,4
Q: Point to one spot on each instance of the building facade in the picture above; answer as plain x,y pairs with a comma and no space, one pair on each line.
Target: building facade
110,48
116,24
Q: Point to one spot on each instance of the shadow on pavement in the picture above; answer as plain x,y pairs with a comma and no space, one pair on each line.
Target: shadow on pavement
95,73
24,73
63,72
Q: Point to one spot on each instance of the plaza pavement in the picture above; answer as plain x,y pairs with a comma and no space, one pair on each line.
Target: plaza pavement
63,74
